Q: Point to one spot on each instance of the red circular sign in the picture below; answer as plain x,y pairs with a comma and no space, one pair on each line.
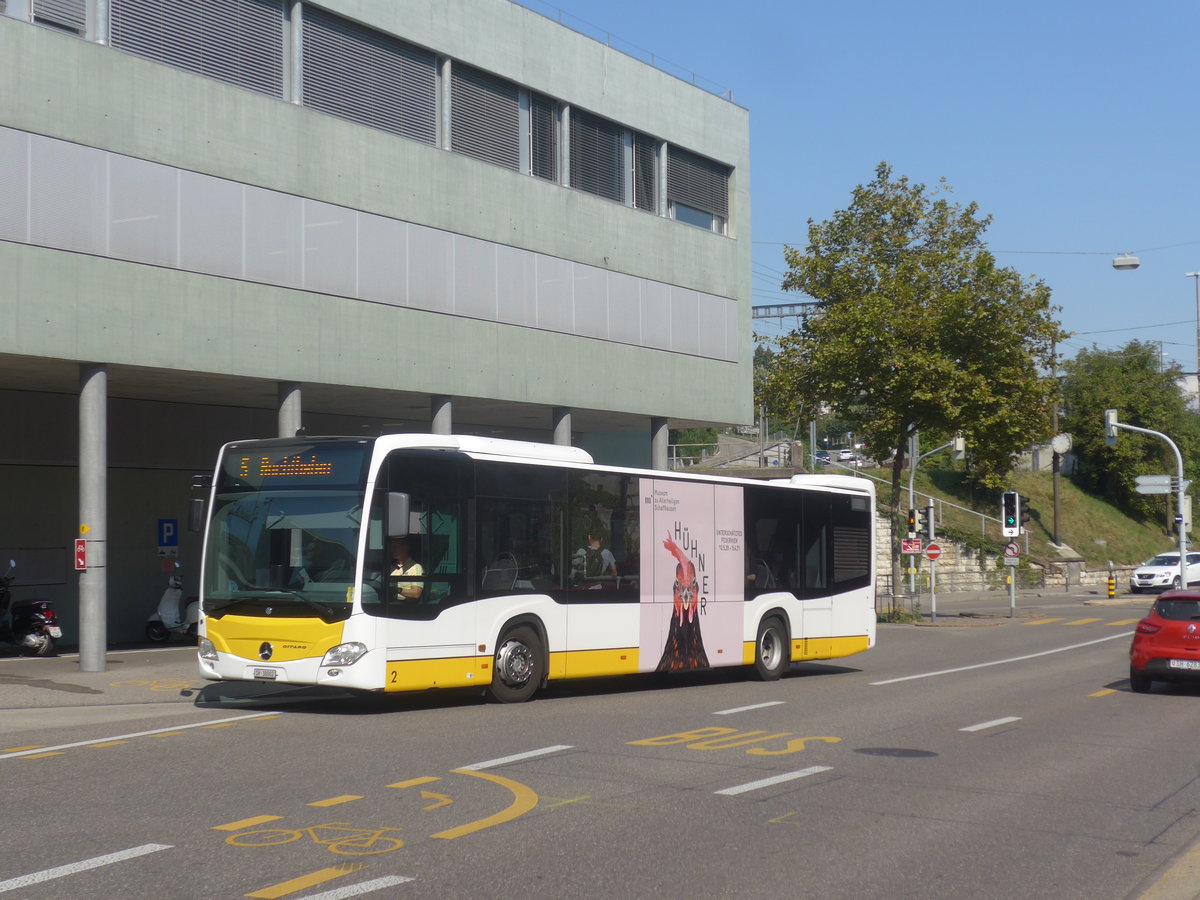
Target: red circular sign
933,551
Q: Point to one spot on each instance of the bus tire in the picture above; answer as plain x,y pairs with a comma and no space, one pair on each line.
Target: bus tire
771,656
518,666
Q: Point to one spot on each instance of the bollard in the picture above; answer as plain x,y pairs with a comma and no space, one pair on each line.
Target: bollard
1112,587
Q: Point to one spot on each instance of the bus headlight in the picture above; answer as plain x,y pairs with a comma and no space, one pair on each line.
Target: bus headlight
344,654
207,650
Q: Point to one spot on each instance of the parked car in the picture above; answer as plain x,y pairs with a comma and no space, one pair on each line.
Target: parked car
1162,572
1166,644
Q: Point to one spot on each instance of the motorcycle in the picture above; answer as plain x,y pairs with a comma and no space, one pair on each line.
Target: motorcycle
31,625
174,615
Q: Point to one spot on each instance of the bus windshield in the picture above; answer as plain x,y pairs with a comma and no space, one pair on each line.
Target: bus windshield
284,529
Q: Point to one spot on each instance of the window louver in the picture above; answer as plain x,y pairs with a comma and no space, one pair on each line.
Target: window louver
645,173
597,156
697,182
236,41
485,119
69,15
543,138
365,76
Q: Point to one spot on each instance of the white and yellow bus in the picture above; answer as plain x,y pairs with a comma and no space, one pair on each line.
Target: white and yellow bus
415,561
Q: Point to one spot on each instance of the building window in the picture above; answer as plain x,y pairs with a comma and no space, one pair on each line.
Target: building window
597,156
67,15
236,41
485,118
697,190
365,76
645,172
543,137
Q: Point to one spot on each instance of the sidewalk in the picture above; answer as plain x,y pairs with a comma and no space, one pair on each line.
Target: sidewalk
960,607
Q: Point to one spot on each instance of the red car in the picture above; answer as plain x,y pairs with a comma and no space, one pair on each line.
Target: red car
1166,645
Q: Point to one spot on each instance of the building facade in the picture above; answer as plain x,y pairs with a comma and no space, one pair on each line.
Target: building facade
238,218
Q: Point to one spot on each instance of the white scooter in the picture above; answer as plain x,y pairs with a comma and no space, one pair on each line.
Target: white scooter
175,614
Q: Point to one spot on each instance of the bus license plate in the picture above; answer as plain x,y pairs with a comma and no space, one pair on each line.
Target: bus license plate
268,674
1184,664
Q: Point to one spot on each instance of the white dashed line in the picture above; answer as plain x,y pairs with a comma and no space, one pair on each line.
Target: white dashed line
730,712
992,724
517,757
82,866
777,779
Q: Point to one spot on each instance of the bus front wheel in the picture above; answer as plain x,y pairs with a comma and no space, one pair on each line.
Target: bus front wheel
519,665
771,656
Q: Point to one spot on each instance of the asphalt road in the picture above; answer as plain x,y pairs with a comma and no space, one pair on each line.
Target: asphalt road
986,757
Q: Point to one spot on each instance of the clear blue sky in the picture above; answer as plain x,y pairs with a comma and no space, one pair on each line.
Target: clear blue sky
1073,124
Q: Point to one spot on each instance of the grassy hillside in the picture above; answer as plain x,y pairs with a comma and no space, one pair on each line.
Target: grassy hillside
1083,520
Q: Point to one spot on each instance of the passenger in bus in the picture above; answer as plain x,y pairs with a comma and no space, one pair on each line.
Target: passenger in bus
593,560
403,565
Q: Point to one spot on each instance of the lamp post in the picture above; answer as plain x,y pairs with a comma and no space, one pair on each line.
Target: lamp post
1196,277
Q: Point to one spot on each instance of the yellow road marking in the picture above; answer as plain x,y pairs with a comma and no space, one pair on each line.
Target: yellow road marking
412,782
1083,621
43,755
565,801
524,800
246,823
1045,621
1124,622
442,800
296,884
335,801
1102,693
167,734
20,749
219,725
109,744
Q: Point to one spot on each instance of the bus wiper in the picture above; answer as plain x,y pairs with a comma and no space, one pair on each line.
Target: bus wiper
327,613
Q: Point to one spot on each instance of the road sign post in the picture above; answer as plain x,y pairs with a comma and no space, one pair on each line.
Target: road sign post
932,552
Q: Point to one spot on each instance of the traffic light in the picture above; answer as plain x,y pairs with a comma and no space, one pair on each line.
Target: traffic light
912,523
1023,510
926,525
1010,514
1110,427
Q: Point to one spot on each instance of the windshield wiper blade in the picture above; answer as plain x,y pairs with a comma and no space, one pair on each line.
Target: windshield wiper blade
327,613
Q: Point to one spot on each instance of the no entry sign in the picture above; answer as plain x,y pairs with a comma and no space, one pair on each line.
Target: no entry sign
933,551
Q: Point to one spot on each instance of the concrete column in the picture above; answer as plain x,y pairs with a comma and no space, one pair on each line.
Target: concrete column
562,425
658,443
290,408
93,516
440,414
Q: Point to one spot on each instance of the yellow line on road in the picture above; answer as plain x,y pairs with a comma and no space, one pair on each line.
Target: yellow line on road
297,884
1083,621
1045,621
413,782
167,734
109,744
43,755
220,725
336,801
246,823
524,800
1124,622
1103,693
21,749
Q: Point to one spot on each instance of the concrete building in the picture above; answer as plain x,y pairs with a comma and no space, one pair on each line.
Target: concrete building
233,219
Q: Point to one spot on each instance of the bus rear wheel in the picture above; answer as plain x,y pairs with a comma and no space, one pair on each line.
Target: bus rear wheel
519,665
771,655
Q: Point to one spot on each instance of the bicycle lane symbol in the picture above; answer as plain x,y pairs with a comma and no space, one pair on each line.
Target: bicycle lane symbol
338,837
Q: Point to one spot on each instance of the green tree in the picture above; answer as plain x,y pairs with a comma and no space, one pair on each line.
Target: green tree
693,443
917,329
1130,381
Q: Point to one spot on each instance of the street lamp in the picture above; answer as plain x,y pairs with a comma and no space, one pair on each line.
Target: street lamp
1196,276
1125,261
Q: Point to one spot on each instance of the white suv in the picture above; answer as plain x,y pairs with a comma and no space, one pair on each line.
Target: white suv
1162,572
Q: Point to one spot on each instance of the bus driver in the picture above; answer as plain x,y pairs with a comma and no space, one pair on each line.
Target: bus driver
404,565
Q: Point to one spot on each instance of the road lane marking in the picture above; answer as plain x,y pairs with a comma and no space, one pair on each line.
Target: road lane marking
524,800
303,881
738,709
109,744
136,734
1084,621
414,782
1103,693
1046,621
1000,662
82,866
38,755
516,757
357,890
20,749
336,801
246,823
775,779
1124,622
440,800
992,724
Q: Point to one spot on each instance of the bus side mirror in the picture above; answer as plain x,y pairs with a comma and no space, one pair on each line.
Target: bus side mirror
398,504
